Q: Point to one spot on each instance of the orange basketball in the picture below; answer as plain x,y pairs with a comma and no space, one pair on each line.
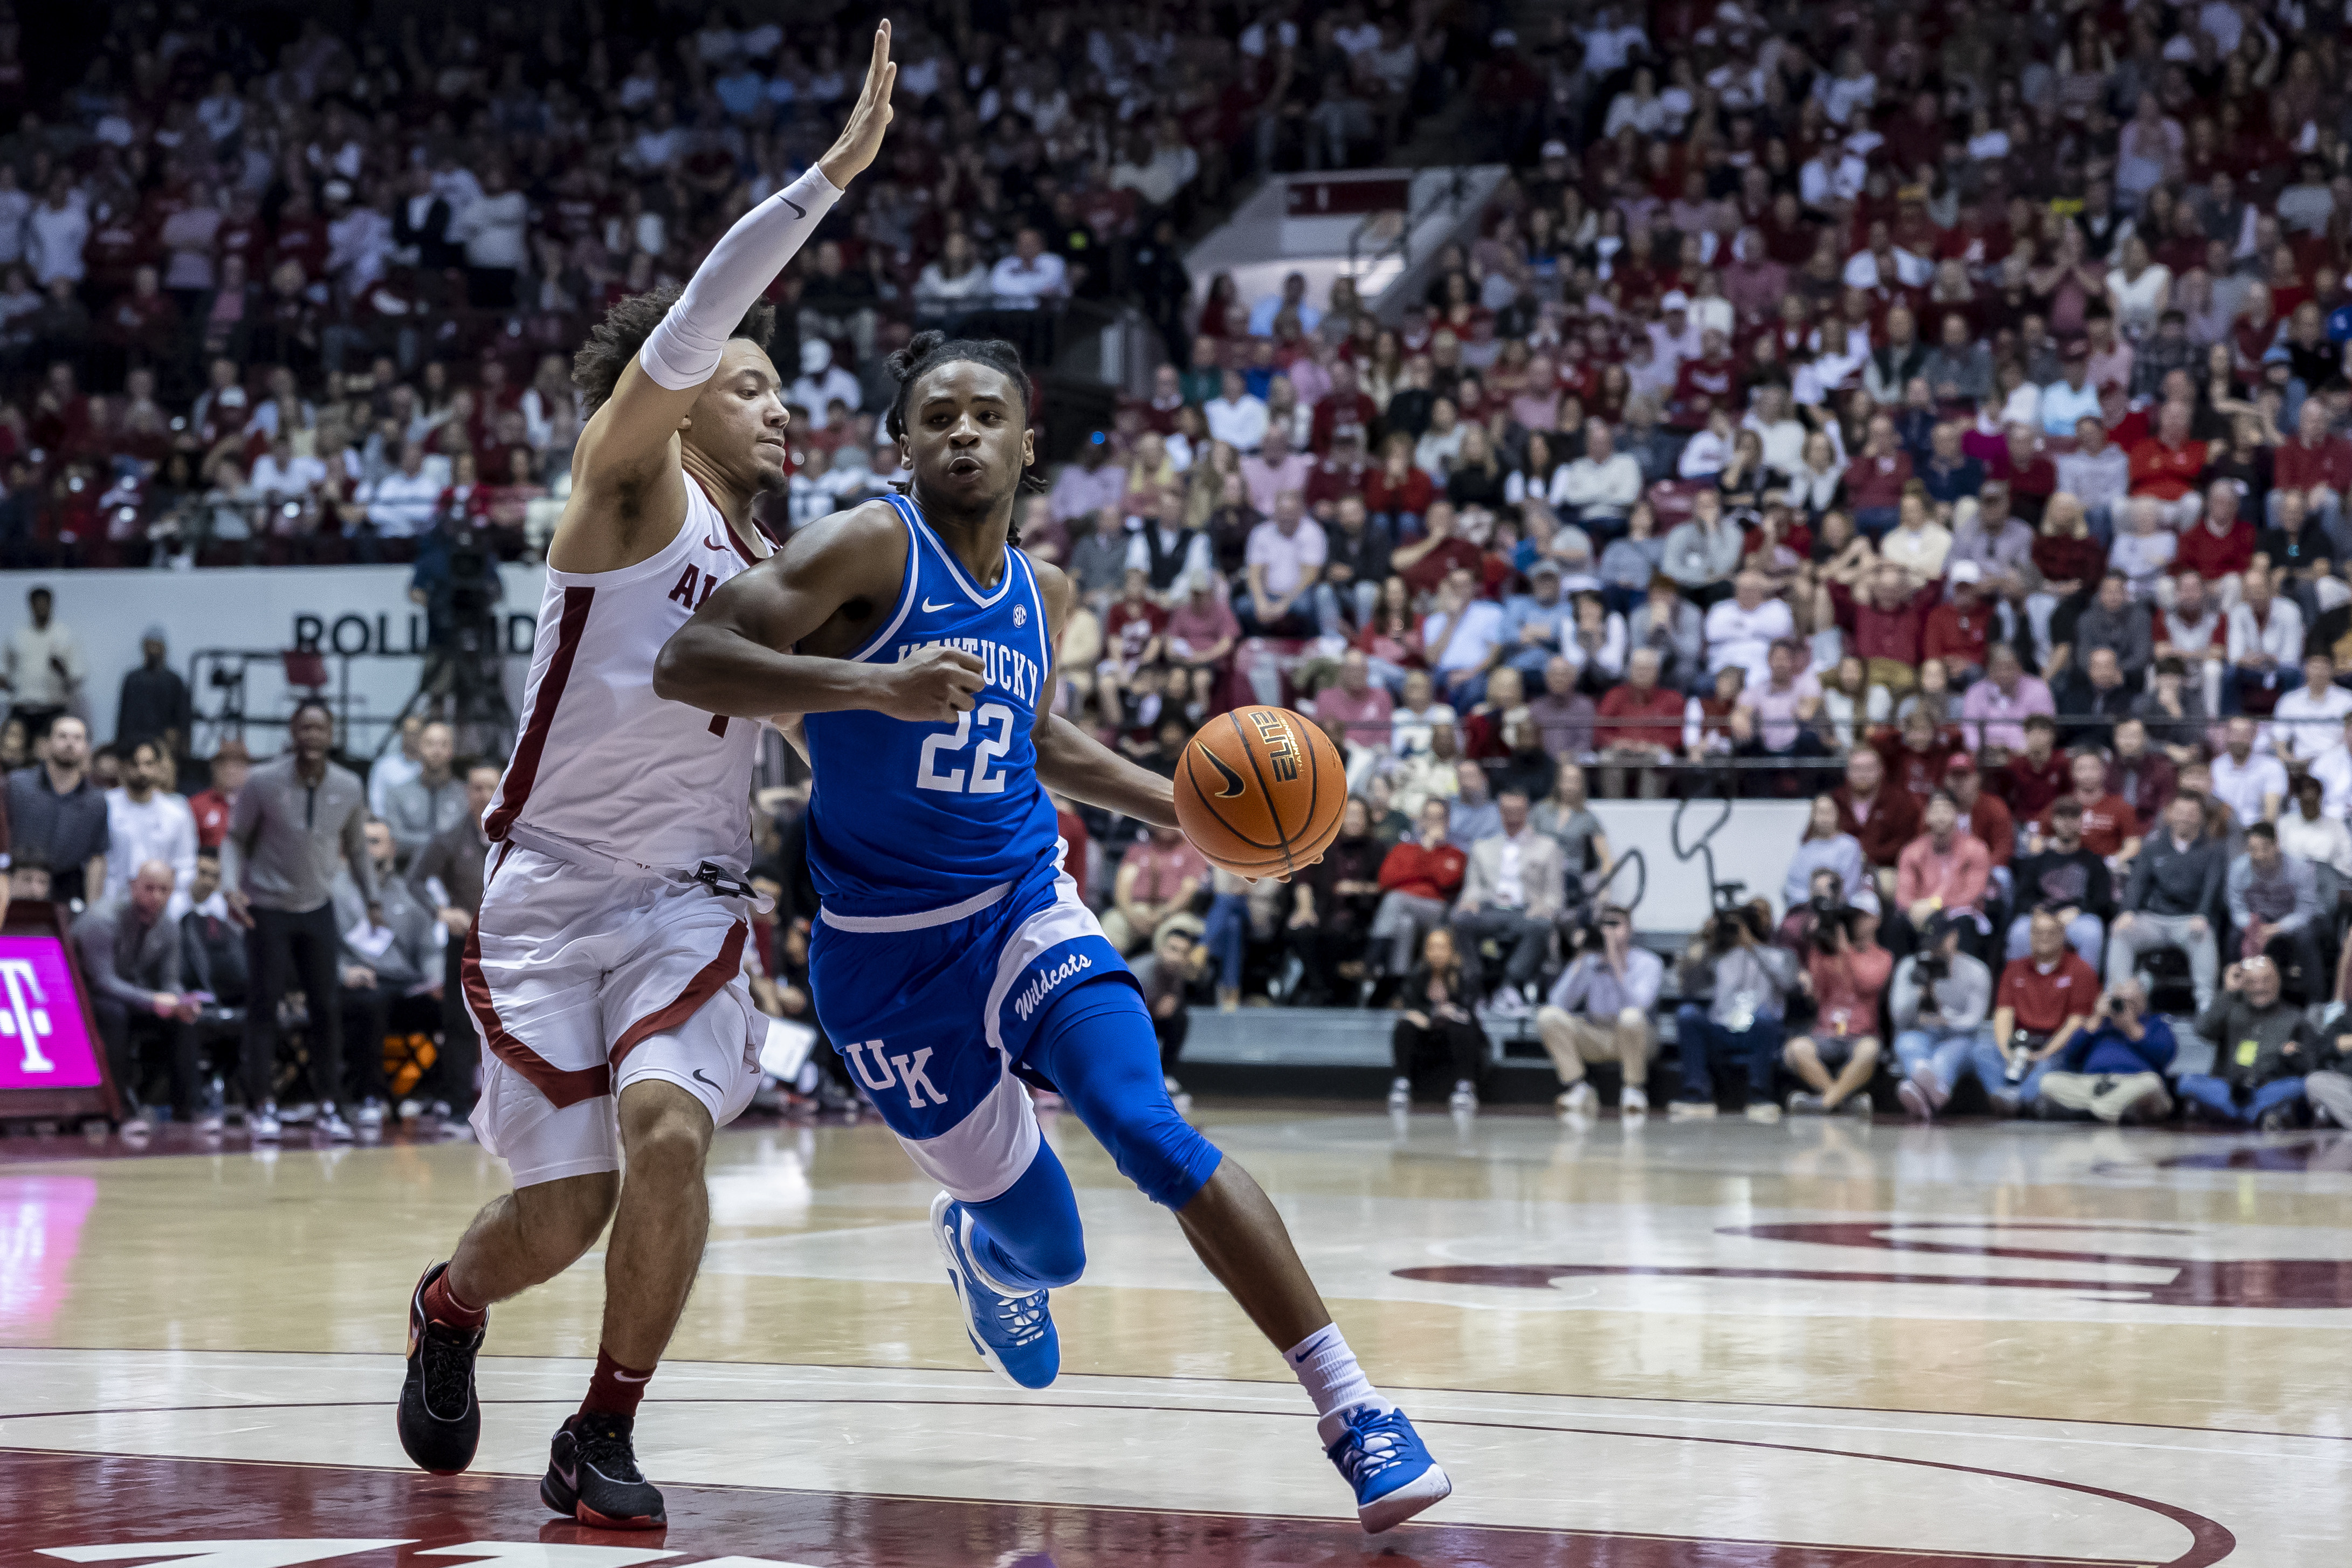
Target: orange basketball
1260,791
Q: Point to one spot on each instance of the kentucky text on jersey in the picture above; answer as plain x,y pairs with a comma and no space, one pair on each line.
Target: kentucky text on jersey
1006,668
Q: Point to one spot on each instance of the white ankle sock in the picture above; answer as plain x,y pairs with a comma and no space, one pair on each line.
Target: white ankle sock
1327,1369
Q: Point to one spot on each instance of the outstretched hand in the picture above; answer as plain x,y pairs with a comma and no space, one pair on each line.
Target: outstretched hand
861,139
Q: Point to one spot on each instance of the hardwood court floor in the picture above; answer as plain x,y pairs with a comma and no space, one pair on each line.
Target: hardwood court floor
1813,1345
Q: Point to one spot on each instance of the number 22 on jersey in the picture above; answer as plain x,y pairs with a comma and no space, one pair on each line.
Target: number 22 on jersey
985,755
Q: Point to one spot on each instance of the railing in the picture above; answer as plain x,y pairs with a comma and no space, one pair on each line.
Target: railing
1393,230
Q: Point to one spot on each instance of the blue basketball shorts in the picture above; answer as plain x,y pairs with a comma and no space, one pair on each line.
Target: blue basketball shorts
934,1012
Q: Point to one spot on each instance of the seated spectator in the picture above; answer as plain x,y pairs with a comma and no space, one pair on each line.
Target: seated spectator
1563,715
1419,880
2142,778
434,800
1782,709
2306,833
2299,551
2066,877
1565,815
1638,726
2044,998
1983,814
1486,728
1435,1028
2273,903
2143,549
1887,622
2109,826
2166,466
2250,784
1916,753
1158,877
1356,702
2219,547
1883,818
1837,1055
146,821
1958,631
1943,871
1826,846
1598,490
1939,1004
1511,895
1200,637
2316,466
384,968
2262,1048
1670,627
1918,543
1285,562
2171,898
2309,721
1166,979
2266,644
1334,903
1740,630
1536,624
1596,642
2098,475
130,953
2117,621
1461,637
1360,548
2327,1087
1703,555
2114,1071
2174,710
1441,551
1875,479
1474,812
1994,712
2037,775
1749,982
2095,690
1598,1011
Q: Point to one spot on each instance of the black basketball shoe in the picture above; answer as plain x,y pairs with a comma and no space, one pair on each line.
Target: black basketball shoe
592,1474
440,1417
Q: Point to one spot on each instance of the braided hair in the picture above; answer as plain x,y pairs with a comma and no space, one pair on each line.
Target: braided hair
925,353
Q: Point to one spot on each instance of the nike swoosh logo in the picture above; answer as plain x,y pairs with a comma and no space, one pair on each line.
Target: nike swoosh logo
1234,785
698,1074
622,1376
931,609
711,543
798,210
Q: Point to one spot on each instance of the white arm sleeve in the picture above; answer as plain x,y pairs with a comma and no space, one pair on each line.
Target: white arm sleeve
684,349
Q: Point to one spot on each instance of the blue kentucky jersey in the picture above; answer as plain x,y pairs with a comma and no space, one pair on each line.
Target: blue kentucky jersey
906,818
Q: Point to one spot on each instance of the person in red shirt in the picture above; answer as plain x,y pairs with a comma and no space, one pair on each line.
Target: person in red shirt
1917,757
1846,983
1344,408
1131,638
1887,622
1342,474
1427,564
2110,825
1956,632
2043,999
1419,880
1882,818
2037,775
2315,463
2144,777
232,765
1639,722
2166,467
1988,819
2220,545
1875,479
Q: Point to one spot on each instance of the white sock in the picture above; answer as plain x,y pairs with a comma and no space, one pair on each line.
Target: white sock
1327,1369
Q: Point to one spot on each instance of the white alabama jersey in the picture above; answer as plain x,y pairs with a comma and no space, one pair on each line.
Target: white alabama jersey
603,762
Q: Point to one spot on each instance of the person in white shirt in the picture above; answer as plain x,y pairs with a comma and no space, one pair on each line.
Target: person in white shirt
2332,769
2142,548
281,473
2265,633
821,382
1464,637
1603,485
46,667
2309,721
2309,833
1918,543
144,822
56,233
403,503
1237,418
1417,714
2246,781
1030,276
1740,630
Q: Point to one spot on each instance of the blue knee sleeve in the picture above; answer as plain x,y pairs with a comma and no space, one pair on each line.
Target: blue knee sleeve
1028,1235
1097,1048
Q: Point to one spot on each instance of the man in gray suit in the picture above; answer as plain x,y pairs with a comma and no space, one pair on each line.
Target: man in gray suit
131,956
1511,892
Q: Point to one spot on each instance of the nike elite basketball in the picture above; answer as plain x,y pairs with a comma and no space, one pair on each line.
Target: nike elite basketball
1260,790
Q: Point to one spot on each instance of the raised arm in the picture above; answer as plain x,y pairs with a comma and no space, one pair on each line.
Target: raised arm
833,585
1072,763
625,467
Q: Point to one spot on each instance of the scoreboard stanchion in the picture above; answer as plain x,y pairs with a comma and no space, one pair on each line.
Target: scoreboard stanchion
52,1058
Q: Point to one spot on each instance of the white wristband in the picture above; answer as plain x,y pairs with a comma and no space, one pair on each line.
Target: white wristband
683,350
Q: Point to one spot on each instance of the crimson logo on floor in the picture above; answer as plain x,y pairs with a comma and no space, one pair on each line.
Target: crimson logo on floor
288,1554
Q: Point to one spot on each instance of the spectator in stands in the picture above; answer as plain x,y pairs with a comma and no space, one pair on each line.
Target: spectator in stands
2115,621
1749,982
1536,624
1598,1011
1473,813
153,703
1740,630
58,811
1827,846
1286,562
1166,979
1599,489
2143,549
2261,1086
2066,877
1435,1027
297,818
2034,777
2300,552
1638,726
1333,906
2314,466
1845,974
2142,778
433,800
1354,701
1461,636
1567,817
2174,710
445,879
1086,487
130,953
2171,898
2273,903
2114,1071
2110,826
45,668
1669,626
2308,834
1958,631
146,822
1945,870
2265,642
1238,418
2250,783
1703,555
1883,819
385,964
1511,895
1939,1004
1995,711
2309,720
1158,877
2166,466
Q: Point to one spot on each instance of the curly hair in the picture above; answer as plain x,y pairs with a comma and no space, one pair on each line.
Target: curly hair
613,341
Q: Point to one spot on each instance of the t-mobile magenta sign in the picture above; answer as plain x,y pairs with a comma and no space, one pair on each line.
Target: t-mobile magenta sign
43,1043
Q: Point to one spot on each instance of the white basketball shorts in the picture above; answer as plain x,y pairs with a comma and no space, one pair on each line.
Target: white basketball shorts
583,985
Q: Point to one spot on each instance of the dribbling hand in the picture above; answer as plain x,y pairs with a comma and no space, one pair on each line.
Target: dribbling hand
933,686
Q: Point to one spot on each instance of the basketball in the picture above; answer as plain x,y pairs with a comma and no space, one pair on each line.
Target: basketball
1260,791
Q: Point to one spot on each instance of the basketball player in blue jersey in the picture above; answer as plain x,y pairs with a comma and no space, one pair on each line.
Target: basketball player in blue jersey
953,963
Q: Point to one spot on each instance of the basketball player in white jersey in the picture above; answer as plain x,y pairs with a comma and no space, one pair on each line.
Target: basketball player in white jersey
604,970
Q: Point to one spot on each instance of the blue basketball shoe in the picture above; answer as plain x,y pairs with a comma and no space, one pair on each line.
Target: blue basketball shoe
1013,1330
1388,1463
